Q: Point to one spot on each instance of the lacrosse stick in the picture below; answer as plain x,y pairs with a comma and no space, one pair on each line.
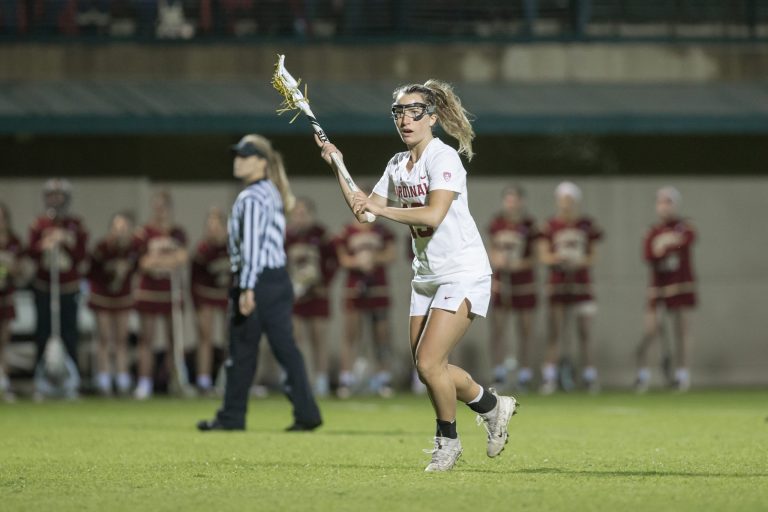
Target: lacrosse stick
181,376
294,99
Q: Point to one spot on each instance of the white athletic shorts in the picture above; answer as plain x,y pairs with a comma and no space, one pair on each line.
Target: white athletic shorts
449,296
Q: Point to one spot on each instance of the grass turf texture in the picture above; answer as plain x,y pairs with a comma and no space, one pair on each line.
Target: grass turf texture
700,451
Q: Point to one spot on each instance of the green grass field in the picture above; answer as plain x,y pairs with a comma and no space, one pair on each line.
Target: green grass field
700,451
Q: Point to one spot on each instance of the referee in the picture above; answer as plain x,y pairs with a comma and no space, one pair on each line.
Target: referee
261,299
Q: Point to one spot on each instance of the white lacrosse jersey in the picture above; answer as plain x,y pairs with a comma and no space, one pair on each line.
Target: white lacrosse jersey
454,250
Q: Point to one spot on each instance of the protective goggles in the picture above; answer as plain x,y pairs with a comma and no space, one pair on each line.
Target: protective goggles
415,111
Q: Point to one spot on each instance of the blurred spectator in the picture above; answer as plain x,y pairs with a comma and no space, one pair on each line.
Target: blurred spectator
58,239
211,281
568,249
512,252
10,253
163,254
114,262
172,23
667,250
365,250
312,265
92,17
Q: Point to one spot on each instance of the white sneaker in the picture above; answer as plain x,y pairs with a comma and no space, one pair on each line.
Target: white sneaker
142,392
444,455
548,387
495,423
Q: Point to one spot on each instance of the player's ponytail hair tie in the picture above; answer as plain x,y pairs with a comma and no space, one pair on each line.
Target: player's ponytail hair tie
275,168
451,115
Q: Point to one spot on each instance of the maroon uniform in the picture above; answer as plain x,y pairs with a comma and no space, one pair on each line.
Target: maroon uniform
10,251
312,265
111,275
515,289
572,242
667,249
366,290
211,275
154,291
72,253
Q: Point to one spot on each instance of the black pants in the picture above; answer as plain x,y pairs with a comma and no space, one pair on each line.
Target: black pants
69,333
272,316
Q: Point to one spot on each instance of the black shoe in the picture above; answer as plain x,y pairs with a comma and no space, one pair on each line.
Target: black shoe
214,424
303,427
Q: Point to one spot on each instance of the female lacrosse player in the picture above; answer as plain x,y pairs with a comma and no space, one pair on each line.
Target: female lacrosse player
210,280
262,294
163,253
114,261
10,252
568,249
365,250
667,250
513,235
312,264
452,275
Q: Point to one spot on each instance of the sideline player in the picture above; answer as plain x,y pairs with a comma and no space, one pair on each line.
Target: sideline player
667,249
513,237
365,250
10,254
452,275
210,280
568,249
114,262
312,264
163,253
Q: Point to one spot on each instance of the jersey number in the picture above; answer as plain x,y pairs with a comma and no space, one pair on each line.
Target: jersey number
424,232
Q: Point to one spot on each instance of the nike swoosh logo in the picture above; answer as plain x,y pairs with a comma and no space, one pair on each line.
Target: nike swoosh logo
423,177
446,298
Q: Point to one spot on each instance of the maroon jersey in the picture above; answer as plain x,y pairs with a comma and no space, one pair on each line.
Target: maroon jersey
366,290
154,291
312,264
515,240
10,251
72,252
211,274
573,242
113,266
667,249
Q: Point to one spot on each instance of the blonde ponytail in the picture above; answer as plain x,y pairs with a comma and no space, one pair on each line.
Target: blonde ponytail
278,176
275,169
451,115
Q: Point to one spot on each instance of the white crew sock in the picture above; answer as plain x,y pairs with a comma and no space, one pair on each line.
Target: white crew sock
145,384
204,381
524,375
549,372
589,374
682,375
123,381
643,375
346,379
500,373
103,381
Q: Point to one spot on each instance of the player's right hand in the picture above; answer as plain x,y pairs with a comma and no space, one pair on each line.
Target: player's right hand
326,150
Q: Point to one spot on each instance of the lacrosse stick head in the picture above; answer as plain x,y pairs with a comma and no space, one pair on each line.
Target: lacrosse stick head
288,87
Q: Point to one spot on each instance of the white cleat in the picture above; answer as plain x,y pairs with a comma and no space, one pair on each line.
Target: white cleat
495,423
444,455
548,387
142,393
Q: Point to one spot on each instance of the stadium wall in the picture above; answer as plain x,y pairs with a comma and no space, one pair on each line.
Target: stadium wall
729,328
390,60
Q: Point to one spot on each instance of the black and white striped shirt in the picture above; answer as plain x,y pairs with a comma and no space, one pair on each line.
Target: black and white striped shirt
256,230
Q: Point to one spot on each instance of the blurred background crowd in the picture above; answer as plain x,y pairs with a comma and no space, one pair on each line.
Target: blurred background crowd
650,118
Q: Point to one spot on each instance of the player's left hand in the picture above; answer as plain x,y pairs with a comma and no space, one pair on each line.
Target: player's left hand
361,203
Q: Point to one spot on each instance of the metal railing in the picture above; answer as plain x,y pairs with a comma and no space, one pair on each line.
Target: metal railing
339,20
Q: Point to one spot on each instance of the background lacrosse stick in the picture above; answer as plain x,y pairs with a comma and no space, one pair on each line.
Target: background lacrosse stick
294,99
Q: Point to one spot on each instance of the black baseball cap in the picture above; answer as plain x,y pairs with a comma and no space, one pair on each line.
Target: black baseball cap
246,148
